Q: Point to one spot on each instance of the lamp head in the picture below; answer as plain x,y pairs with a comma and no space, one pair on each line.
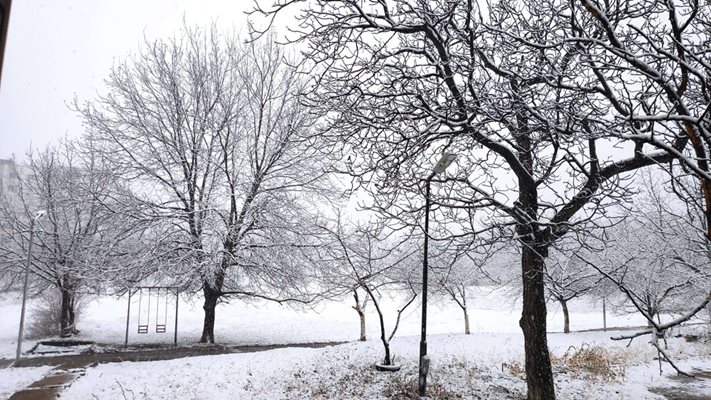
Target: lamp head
444,162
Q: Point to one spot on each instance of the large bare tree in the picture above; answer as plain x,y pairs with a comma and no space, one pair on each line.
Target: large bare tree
210,130
402,81
649,64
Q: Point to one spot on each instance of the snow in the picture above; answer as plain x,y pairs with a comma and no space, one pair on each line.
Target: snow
14,379
104,320
10,305
471,365
481,365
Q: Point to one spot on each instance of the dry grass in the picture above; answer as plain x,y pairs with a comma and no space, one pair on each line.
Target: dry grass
405,388
582,362
514,368
592,361
331,382
359,380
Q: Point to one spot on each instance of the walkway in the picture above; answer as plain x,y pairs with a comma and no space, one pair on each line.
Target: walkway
69,368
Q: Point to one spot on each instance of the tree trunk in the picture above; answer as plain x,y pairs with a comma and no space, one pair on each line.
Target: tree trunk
212,293
566,316
208,327
466,322
67,319
651,311
362,327
539,374
361,315
386,343
387,360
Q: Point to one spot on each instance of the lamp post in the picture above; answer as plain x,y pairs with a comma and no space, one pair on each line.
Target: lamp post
39,215
442,165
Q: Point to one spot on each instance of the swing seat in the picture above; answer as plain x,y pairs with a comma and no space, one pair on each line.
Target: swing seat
160,328
142,328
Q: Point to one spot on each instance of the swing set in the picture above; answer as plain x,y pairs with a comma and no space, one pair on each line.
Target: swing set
156,298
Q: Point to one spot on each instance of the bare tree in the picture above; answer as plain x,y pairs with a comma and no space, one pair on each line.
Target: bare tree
456,270
649,68
659,260
339,274
403,81
370,257
81,241
656,77
569,278
160,125
213,128
272,177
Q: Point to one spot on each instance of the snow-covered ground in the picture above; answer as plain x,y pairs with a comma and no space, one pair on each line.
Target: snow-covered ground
479,366
485,364
104,320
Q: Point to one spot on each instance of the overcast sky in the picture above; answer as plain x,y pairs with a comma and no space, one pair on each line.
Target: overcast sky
56,49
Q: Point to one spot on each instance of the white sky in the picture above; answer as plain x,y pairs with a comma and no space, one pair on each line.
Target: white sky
56,49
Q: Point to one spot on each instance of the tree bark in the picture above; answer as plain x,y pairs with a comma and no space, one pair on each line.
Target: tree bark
386,343
68,313
539,374
361,315
463,305
362,327
466,322
651,311
387,360
566,316
212,293
208,327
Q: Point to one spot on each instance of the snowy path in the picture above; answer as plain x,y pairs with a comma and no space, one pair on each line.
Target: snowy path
112,355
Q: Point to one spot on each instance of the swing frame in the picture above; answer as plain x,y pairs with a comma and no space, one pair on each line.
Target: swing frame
160,328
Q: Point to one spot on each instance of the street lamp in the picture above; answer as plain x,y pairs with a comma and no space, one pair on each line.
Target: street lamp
442,165
39,215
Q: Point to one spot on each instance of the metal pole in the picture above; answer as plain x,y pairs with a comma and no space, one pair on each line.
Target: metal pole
424,364
604,315
24,293
128,316
175,335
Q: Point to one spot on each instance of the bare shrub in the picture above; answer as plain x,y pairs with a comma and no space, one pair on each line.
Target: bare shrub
46,315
